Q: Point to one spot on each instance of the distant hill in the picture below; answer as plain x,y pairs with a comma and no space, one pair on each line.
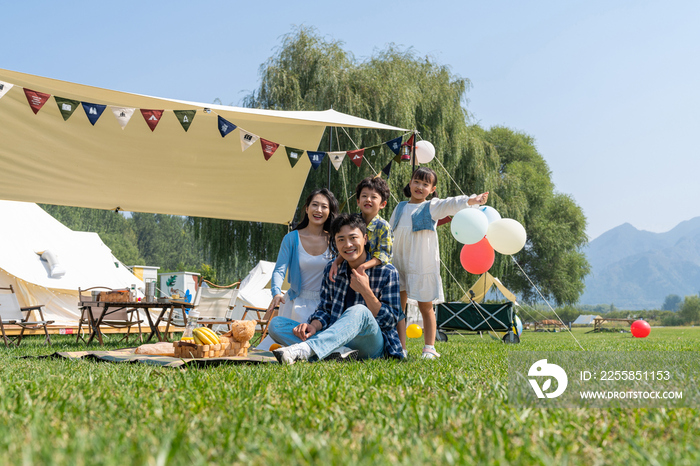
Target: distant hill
635,269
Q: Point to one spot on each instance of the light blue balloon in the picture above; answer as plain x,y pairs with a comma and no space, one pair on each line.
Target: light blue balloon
491,214
469,226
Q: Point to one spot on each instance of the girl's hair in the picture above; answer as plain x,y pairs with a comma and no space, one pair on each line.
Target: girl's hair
353,220
332,209
422,174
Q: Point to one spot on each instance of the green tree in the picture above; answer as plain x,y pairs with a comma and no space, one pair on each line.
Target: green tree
671,303
398,87
690,309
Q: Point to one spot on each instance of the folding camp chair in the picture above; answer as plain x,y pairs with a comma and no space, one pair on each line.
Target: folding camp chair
263,319
214,304
458,317
11,314
94,314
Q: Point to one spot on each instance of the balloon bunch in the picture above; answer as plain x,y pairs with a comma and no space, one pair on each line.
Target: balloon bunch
483,233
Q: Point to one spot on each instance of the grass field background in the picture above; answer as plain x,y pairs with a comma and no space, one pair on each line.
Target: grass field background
454,410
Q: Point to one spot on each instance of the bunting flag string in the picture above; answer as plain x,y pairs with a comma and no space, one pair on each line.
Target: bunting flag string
152,117
247,139
123,115
185,117
93,111
316,158
268,148
293,155
225,126
66,106
4,88
356,156
337,158
36,99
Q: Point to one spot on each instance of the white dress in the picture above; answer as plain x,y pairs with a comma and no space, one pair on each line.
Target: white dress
306,302
309,296
417,254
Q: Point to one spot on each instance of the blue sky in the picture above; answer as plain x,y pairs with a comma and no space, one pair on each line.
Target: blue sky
609,89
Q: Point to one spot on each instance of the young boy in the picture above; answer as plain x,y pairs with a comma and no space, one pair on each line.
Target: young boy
372,194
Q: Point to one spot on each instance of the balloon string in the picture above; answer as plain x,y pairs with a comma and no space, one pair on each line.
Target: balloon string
545,300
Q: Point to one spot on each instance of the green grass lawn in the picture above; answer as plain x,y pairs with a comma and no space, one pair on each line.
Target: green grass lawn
454,410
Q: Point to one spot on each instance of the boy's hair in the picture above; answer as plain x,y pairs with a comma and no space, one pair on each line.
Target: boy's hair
352,220
375,183
422,174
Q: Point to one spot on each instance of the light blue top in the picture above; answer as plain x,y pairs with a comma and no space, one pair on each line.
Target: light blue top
420,220
288,258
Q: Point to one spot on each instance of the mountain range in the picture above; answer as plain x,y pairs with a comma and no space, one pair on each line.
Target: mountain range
635,269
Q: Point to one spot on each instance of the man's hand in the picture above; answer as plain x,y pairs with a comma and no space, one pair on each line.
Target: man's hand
304,331
359,281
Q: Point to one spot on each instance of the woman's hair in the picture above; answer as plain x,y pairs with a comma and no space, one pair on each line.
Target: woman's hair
422,174
353,220
332,209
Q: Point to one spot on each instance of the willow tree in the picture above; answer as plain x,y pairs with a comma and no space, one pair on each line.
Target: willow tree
397,87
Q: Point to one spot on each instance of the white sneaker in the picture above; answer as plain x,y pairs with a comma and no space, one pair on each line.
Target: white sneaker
429,353
343,354
290,354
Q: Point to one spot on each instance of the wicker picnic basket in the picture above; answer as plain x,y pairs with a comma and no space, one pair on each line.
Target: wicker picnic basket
225,348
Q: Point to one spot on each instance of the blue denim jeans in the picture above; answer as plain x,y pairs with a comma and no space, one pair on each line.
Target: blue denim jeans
356,328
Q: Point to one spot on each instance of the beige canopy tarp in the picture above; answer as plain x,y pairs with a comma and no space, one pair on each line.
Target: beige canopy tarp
199,173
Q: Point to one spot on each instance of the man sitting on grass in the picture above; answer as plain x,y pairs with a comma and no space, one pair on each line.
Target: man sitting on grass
358,312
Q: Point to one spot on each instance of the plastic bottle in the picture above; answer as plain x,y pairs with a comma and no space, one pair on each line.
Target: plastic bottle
192,319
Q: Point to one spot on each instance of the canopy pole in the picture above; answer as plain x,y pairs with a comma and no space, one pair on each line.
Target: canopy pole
413,153
330,148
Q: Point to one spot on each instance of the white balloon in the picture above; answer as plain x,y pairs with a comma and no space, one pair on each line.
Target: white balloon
491,214
425,152
506,236
469,226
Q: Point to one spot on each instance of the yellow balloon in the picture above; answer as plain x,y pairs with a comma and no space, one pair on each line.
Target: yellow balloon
274,346
414,331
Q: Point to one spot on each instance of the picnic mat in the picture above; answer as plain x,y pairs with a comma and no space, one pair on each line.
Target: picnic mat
128,355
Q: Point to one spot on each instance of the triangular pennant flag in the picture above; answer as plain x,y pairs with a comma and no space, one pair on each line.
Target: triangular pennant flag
373,151
93,111
409,143
185,117
356,156
268,148
36,99
247,139
225,126
397,158
387,170
337,158
123,115
395,144
294,155
152,117
316,158
4,87
66,106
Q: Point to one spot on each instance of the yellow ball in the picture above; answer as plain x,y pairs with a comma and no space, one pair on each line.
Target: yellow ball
274,346
414,331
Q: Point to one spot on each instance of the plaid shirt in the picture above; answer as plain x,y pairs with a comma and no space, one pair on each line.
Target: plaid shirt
380,239
384,283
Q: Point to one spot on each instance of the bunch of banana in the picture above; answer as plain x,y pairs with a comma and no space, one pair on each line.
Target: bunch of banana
205,336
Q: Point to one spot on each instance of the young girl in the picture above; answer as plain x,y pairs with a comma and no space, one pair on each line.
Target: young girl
304,253
416,250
